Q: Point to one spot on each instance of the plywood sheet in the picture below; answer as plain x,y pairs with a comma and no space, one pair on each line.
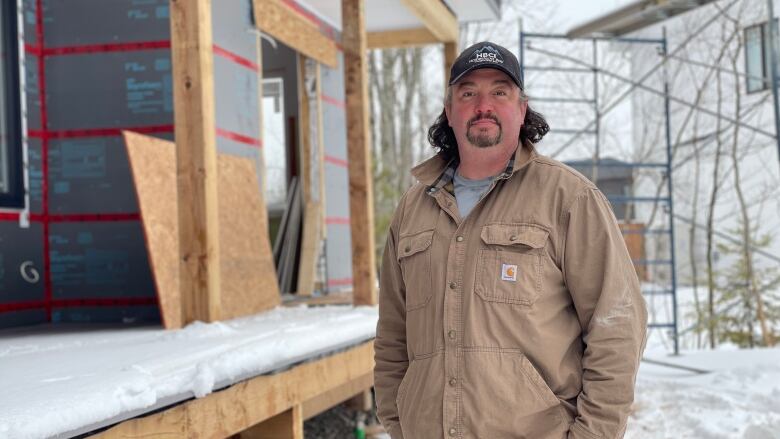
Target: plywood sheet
153,165
248,277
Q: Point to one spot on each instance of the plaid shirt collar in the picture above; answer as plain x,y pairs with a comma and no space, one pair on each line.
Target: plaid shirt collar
448,175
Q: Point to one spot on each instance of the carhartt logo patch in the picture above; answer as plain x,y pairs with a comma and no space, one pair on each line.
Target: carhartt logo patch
509,272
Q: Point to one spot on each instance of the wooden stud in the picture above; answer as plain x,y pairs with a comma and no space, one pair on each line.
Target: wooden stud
263,177
321,149
196,158
285,425
361,202
245,404
436,17
304,131
288,26
450,55
307,264
401,38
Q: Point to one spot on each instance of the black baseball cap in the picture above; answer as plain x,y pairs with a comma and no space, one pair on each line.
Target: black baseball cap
486,55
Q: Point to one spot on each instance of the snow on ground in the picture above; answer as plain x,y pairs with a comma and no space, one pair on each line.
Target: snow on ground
61,380
739,398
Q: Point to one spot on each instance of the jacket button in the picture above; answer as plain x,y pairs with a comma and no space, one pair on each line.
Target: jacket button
453,285
453,381
453,431
513,238
407,249
451,334
459,239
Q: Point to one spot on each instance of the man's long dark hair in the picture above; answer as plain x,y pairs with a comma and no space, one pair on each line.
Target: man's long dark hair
441,136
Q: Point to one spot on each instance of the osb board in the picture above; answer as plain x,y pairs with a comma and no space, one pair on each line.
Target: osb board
248,282
153,164
248,275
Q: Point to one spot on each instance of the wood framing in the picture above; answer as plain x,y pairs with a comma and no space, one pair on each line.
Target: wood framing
288,26
361,202
436,17
248,283
285,425
450,54
359,386
312,207
248,403
196,155
401,38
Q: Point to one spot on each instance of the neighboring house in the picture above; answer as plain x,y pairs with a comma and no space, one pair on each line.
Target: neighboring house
718,63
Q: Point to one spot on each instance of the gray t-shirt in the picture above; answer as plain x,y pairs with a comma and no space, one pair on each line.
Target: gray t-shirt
468,192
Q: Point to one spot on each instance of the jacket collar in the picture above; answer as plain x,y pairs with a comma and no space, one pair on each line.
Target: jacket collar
436,172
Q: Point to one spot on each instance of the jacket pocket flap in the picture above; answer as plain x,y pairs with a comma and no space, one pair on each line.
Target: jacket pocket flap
413,244
511,234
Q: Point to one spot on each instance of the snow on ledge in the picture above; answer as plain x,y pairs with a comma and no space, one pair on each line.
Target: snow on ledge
63,381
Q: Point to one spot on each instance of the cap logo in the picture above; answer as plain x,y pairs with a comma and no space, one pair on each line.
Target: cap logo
487,54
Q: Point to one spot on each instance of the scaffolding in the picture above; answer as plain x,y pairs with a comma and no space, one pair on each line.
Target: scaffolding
663,168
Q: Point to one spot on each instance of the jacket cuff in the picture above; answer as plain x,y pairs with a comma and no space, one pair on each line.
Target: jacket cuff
394,431
578,431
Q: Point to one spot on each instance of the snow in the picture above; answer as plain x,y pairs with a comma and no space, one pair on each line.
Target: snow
62,381
739,398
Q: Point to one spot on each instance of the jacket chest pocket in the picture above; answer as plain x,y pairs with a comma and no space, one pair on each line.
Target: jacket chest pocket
509,270
414,256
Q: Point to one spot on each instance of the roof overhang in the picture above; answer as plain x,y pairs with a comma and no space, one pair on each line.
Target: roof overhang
475,10
634,16
402,23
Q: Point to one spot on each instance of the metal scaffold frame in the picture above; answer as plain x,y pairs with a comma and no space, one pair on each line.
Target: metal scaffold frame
594,128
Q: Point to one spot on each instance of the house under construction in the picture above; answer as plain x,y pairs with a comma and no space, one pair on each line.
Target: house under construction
198,160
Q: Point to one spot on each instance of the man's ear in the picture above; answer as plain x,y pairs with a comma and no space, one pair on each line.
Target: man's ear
523,110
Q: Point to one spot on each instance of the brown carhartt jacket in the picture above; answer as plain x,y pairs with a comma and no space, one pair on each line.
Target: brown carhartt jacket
522,320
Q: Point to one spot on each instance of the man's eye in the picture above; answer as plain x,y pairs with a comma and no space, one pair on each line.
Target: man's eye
467,94
501,93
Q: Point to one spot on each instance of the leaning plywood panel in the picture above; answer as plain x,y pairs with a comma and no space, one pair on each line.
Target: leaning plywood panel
153,165
248,283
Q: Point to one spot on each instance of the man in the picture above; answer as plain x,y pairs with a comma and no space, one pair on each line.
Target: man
508,305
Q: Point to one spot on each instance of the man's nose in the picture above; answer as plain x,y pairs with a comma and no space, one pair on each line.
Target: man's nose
483,105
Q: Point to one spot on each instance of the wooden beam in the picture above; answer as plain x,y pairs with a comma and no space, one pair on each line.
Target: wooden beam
285,425
245,404
293,29
450,55
436,17
321,152
261,128
333,298
307,126
361,201
401,38
196,159
345,392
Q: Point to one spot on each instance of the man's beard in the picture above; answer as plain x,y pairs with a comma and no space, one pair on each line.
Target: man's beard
484,140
